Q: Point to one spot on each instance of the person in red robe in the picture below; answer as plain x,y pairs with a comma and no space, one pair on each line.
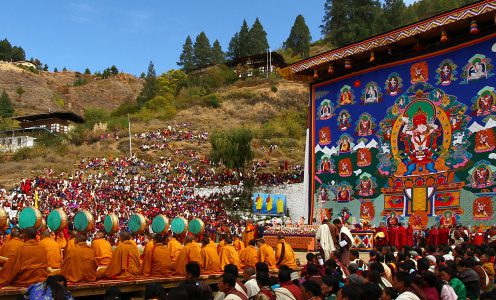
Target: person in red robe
402,235
443,236
409,236
380,241
478,237
394,236
432,238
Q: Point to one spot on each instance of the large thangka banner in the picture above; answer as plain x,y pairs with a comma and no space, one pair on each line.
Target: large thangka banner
411,141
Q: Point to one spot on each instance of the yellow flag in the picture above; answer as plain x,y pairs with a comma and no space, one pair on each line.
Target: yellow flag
36,198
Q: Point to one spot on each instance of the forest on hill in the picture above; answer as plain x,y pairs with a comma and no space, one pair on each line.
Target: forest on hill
343,22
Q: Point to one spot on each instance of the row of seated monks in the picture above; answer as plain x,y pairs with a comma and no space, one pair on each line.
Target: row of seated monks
27,261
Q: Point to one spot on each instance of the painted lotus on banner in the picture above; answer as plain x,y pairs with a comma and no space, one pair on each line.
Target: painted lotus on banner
421,135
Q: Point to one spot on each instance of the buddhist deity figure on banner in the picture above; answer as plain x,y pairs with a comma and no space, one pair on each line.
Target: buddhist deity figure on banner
478,67
448,219
325,135
392,219
323,194
326,164
346,96
343,192
484,141
344,120
482,175
365,125
345,143
345,215
446,73
419,72
366,185
483,208
364,157
326,109
345,167
394,84
371,93
420,134
485,102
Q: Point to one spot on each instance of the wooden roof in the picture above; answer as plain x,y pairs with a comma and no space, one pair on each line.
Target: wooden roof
396,44
69,116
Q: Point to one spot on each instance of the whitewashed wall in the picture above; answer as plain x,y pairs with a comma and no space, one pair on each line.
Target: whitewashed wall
295,196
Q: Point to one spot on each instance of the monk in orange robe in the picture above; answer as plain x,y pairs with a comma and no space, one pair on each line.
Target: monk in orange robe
189,253
249,233
238,244
54,253
229,255
28,265
266,254
102,249
9,248
174,248
210,260
285,255
157,262
80,263
61,240
221,244
71,243
249,255
125,262
149,244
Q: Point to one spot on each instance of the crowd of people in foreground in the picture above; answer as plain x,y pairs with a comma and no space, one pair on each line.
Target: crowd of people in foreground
461,270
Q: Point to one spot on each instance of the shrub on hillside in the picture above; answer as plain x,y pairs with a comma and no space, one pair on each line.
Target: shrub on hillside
79,81
213,102
231,148
128,107
117,123
29,153
95,115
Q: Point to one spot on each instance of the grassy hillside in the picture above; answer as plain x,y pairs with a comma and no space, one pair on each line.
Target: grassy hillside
274,110
68,90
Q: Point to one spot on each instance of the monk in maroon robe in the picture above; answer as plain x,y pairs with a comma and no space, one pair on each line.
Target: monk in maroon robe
409,236
394,236
443,236
402,234
432,238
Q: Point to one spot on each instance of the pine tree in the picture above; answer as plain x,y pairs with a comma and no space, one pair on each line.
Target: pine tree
5,50
6,107
233,50
244,40
87,71
114,70
186,57
393,14
150,87
347,21
202,52
55,70
218,56
17,54
365,19
258,39
336,21
45,67
299,38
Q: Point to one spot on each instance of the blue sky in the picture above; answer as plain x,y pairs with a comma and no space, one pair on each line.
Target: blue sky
128,34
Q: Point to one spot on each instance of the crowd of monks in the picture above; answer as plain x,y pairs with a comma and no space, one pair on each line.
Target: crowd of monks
26,260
